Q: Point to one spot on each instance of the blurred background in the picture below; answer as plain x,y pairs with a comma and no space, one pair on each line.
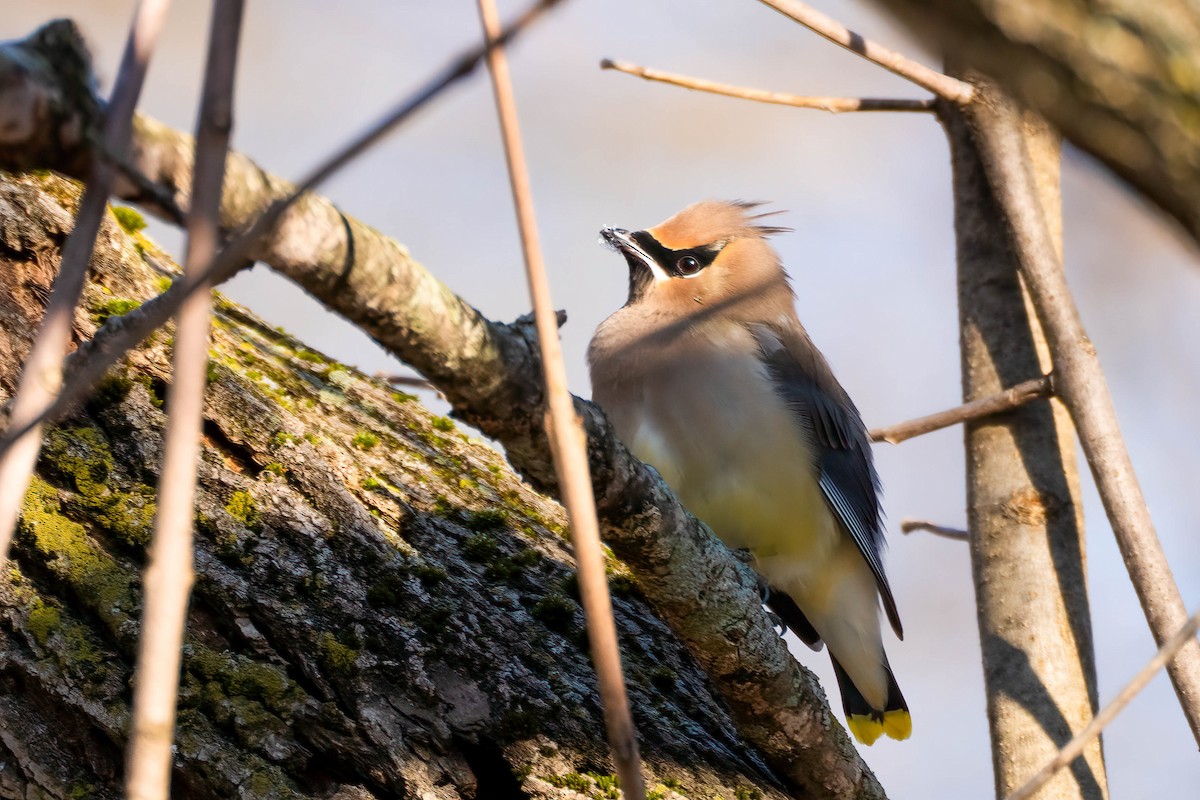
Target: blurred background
872,260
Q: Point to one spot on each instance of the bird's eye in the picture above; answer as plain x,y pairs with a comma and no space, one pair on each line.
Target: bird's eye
688,265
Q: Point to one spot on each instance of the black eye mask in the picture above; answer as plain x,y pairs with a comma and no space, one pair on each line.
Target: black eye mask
678,263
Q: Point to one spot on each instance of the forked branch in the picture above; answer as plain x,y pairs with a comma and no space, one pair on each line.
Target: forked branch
950,89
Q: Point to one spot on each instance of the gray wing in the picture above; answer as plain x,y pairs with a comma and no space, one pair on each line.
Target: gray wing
846,473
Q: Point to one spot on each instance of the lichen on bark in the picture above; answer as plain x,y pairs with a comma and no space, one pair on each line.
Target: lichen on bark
392,619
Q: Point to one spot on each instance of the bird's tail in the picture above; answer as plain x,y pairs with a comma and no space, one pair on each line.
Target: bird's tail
867,723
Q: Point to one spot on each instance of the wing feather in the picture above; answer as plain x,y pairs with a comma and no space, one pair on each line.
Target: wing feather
846,473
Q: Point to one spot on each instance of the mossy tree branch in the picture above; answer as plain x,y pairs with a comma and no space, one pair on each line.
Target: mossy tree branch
491,375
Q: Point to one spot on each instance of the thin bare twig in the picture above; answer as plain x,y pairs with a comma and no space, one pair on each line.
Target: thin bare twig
911,525
1080,384
169,573
568,441
1075,747
41,377
1007,400
944,86
835,105
87,365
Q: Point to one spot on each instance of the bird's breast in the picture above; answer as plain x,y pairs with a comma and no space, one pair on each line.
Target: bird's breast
726,442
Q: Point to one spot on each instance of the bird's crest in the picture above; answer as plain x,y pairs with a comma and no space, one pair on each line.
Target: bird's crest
715,220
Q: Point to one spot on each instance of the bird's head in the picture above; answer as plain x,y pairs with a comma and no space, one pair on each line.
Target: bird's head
712,254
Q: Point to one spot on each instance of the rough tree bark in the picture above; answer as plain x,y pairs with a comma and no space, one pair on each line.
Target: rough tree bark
382,608
1025,517
489,372
1120,78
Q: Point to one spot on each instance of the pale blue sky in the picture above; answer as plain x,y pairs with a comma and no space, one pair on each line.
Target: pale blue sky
872,260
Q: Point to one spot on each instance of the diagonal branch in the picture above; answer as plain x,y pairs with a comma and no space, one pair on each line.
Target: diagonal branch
490,374
1183,637
835,105
1007,400
950,89
568,443
88,364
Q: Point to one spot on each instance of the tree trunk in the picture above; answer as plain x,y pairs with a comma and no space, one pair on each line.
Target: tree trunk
382,609
1024,513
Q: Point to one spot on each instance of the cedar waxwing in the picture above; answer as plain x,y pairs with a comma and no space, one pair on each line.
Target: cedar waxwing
708,376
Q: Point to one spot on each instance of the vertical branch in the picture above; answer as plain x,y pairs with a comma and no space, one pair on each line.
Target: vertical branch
41,377
169,575
1027,544
1081,385
568,441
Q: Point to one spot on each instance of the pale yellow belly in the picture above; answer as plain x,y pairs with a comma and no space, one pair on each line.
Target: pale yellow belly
750,477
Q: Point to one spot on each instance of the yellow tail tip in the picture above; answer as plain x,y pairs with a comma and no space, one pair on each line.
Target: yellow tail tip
898,724
867,729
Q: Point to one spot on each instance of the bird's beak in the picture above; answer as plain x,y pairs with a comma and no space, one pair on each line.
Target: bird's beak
622,241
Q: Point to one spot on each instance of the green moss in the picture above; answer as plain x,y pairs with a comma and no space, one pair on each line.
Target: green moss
275,468
130,220
219,678
481,547
429,574
403,397
657,793
258,681
572,780
282,438
81,456
748,793
213,371
310,356
241,506
364,440
371,483
112,389
337,657
71,556
80,791
606,785
444,424
509,567
163,282
114,307
43,620
556,612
